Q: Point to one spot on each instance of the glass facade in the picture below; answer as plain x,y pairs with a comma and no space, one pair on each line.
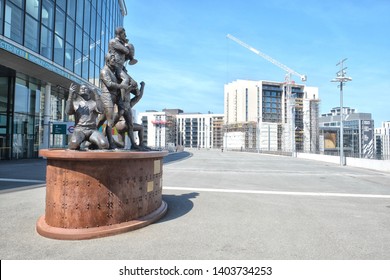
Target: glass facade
71,35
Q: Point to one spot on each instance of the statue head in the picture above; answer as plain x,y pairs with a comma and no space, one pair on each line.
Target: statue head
110,59
120,32
85,92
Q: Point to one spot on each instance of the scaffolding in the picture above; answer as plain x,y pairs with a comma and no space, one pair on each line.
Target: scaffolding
240,136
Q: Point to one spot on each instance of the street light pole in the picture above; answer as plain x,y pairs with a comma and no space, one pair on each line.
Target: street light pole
341,78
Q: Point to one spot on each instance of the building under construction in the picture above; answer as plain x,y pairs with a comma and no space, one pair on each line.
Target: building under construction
260,116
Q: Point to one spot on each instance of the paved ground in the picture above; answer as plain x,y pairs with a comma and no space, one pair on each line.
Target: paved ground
228,205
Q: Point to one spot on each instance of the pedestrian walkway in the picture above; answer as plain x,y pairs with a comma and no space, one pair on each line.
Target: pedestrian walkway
231,205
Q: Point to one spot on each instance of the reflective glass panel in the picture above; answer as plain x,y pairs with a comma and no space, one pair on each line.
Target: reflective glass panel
32,8
72,9
69,62
58,50
70,28
46,42
60,23
31,34
1,16
80,13
77,62
48,13
13,23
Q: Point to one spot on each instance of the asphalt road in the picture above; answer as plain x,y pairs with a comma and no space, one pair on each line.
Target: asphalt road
229,205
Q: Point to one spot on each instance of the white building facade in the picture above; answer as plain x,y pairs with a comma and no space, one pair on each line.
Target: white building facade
166,129
265,106
382,143
199,130
156,128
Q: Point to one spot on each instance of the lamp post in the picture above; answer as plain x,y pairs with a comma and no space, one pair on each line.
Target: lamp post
341,78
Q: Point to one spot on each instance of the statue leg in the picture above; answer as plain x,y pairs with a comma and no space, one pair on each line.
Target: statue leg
138,128
99,140
109,112
76,139
125,81
130,132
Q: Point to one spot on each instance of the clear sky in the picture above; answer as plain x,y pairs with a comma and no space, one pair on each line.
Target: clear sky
185,58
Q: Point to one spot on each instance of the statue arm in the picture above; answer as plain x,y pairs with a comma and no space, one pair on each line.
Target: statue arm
116,46
135,100
107,80
69,108
99,104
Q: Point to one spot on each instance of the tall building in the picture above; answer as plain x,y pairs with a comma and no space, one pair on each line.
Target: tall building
158,128
199,130
172,128
358,133
382,141
45,45
258,116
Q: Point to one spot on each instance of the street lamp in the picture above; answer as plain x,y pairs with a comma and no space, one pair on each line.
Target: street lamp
341,78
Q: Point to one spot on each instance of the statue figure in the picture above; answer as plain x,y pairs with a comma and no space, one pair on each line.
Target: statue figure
85,106
122,125
110,87
123,51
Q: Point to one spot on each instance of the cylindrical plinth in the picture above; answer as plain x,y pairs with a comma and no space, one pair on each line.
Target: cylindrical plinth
98,193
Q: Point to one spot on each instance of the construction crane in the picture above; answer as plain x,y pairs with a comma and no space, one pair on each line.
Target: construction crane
289,71
288,82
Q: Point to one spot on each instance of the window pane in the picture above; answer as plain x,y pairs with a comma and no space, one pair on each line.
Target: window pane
69,62
91,72
13,23
62,4
60,23
70,27
48,13
31,33
85,67
86,45
80,13
92,49
46,42
72,9
93,24
58,50
77,62
18,3
32,7
1,16
79,39
87,17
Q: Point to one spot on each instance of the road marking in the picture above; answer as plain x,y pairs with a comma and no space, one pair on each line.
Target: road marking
280,192
21,180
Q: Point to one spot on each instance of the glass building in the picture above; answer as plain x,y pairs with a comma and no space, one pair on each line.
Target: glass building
45,45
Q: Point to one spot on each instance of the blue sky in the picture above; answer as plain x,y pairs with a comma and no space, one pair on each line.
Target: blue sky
185,58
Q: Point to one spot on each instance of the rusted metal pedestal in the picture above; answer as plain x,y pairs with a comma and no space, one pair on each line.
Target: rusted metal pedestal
93,194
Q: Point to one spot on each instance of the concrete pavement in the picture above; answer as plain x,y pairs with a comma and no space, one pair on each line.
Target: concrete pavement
230,205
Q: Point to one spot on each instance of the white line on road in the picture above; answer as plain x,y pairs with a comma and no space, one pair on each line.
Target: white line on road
21,180
280,192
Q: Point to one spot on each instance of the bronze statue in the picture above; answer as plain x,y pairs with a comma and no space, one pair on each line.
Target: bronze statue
122,125
110,87
123,51
85,106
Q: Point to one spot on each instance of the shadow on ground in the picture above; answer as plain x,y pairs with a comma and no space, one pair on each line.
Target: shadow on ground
178,205
172,157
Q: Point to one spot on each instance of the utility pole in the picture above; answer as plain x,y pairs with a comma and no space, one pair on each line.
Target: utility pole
341,78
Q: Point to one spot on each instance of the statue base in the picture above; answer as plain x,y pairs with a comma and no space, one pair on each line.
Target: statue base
92,194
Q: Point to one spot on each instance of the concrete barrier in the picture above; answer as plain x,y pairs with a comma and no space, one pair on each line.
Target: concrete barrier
380,165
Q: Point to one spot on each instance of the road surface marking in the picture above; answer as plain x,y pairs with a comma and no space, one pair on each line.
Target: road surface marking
280,192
